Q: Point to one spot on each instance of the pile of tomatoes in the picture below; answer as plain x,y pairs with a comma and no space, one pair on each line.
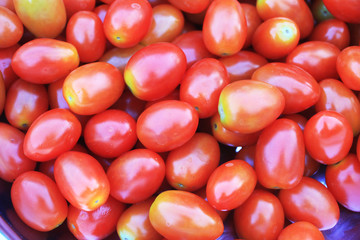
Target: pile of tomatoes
193,119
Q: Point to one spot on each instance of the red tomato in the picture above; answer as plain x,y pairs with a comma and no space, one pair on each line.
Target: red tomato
24,103
230,185
243,64
189,167
280,155
8,4
85,31
333,31
242,109
43,18
191,6
167,125
167,24
110,133
72,7
202,85
260,217
337,97
328,137
174,95
127,22
106,87
134,223
300,231
96,224
343,181
296,10
130,104
44,60
52,133
13,162
178,214
253,20
346,66
224,27
136,175
101,11
12,29
299,88
310,201
155,71
276,37
247,153
38,201
8,74
81,180
345,10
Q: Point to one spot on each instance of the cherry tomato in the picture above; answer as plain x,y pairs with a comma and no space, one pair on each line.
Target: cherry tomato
85,31
280,155
328,137
155,71
253,20
81,180
177,214
260,217
92,88
96,224
38,201
127,22
130,104
276,37
136,175
202,85
242,109
247,153
52,133
101,11
189,167
110,133
299,88
134,223
167,125
301,230
230,185
337,97
8,74
224,27
12,29
191,6
8,4
24,103
44,60
43,18
310,201
345,10
174,95
72,7
13,162
346,66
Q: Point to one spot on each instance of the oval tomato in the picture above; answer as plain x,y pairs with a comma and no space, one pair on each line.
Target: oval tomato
301,230
12,28
346,66
79,5
253,20
8,74
346,10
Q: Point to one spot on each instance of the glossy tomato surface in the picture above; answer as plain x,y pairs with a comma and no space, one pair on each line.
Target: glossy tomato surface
13,29
347,10
301,230
191,6
346,65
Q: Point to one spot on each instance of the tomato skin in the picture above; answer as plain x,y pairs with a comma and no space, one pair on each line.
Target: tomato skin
38,201
202,85
312,202
73,7
230,185
12,29
224,27
134,223
96,224
337,97
299,88
129,104
191,6
260,217
320,12
44,60
328,137
101,11
110,133
81,180
301,230
41,23
52,133
151,67
106,87
8,74
136,175
247,153
346,64
234,105
177,214
280,155
347,11
127,22
8,4
276,37
13,162
167,125
2,93
253,20
189,166
24,103
343,181
85,31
